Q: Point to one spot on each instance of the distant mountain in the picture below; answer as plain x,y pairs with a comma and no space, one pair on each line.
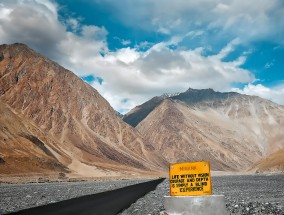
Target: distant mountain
119,114
231,130
51,120
136,115
204,96
190,97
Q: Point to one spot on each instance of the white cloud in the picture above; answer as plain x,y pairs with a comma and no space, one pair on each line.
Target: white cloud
194,34
41,30
125,42
275,94
138,76
228,48
143,45
126,55
268,65
73,24
248,20
164,30
128,73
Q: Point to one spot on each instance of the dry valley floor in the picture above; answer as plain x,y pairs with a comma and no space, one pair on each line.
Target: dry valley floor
245,194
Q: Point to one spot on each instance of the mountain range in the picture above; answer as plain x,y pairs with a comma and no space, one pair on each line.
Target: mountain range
54,122
234,131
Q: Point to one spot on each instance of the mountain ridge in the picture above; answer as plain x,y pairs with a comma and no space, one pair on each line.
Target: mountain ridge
232,130
84,132
190,97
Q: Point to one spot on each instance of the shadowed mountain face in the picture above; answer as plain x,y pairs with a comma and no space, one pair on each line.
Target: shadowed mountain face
64,120
193,96
135,116
21,150
231,130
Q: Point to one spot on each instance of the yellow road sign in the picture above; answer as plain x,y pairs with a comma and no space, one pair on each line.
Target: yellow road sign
190,179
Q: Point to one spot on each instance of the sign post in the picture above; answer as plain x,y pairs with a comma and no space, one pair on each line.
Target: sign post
191,190
190,179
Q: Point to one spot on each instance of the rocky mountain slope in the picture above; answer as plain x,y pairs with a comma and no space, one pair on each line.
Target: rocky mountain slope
272,163
21,149
136,115
231,130
51,120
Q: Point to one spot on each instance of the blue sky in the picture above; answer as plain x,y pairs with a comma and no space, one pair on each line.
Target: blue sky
131,51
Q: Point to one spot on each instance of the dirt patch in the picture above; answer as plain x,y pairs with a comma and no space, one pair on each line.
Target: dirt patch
38,143
1,57
109,153
2,161
31,165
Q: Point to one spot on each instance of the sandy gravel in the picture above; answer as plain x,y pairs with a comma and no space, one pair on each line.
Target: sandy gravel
245,194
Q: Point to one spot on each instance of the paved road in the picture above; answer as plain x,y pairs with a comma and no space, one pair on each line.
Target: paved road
14,197
255,194
107,203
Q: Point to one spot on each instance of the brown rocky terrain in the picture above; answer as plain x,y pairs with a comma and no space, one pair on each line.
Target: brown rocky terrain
51,120
21,150
231,130
272,163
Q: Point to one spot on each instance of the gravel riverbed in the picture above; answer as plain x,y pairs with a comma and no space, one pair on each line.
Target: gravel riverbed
244,194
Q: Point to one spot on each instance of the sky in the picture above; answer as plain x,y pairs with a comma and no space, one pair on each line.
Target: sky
133,50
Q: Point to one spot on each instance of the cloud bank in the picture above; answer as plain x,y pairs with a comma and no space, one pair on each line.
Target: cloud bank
131,75
275,94
248,20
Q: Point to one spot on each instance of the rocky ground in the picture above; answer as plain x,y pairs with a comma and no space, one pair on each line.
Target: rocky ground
244,194
247,194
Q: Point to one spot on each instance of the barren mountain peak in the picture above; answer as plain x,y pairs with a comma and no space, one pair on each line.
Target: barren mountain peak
231,130
68,117
196,90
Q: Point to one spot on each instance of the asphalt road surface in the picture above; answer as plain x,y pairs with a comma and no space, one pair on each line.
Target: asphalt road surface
107,203
248,194
15,197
